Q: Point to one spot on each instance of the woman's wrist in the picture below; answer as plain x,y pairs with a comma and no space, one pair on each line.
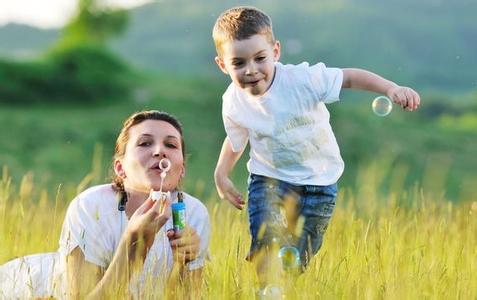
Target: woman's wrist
136,246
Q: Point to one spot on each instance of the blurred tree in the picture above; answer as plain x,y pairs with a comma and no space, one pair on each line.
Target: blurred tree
79,68
93,23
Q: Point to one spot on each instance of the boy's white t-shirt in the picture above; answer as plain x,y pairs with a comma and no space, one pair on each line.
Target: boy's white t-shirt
94,223
288,127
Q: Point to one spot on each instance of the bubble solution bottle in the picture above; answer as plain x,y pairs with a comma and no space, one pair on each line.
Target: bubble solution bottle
178,213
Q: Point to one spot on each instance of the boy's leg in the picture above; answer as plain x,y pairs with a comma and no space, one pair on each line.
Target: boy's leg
267,221
317,206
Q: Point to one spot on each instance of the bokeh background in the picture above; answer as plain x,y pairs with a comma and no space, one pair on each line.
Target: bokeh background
66,86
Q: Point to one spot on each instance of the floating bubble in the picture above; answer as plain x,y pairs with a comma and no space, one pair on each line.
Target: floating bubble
272,291
290,257
382,106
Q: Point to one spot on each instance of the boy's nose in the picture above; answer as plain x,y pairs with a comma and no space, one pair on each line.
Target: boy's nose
251,69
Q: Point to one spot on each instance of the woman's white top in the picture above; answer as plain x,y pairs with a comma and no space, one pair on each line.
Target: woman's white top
95,225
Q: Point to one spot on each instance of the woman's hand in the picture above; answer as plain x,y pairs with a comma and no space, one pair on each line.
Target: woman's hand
185,248
185,244
148,219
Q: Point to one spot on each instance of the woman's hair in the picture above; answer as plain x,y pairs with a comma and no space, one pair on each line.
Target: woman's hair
123,137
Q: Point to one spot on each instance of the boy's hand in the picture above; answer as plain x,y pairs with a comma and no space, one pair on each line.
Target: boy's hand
227,190
404,96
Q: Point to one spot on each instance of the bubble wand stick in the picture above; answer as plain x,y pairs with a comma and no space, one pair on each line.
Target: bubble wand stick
178,209
165,166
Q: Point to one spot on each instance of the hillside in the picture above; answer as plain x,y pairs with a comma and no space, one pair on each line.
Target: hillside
433,147
23,42
427,44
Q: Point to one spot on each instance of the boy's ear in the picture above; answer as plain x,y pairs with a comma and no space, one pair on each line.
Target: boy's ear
219,61
276,51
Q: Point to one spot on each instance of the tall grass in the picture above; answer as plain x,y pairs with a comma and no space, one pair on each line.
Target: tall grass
398,245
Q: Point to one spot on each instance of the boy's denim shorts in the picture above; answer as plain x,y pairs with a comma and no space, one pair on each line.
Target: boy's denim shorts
288,214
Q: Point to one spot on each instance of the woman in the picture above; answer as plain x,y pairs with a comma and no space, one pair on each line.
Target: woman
116,241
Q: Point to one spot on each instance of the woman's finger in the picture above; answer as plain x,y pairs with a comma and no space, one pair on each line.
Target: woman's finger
185,256
185,242
160,211
145,206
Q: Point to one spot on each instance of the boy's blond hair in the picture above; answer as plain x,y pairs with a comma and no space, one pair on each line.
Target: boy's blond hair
240,23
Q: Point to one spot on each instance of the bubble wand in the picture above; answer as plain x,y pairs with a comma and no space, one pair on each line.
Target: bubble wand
178,209
165,166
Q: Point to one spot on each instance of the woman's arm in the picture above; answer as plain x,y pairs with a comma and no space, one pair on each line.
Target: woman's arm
84,278
89,280
82,275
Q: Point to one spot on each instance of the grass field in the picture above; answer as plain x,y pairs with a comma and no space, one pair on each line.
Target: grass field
59,143
405,223
400,245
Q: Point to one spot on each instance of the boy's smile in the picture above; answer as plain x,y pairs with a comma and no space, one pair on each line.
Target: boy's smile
250,63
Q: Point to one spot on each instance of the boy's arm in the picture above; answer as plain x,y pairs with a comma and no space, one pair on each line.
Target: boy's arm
368,81
225,187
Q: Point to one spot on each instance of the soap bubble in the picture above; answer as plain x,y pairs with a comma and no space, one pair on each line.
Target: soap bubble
382,106
290,257
272,291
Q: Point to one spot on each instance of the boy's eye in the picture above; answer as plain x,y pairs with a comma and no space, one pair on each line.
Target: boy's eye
261,58
237,63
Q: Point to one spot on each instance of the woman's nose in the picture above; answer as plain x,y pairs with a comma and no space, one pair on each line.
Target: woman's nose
157,151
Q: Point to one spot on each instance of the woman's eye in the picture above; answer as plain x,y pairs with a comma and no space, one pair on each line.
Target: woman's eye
144,144
170,145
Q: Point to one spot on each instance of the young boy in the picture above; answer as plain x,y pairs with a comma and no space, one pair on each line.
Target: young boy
280,110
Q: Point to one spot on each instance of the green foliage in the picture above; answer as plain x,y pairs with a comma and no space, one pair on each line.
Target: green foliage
410,148
79,68
82,74
93,24
20,81
90,73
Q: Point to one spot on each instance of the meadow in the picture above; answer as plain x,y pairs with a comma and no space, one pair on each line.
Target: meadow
406,217
402,244
405,225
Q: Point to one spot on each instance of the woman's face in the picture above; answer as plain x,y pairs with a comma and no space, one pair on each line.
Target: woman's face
149,142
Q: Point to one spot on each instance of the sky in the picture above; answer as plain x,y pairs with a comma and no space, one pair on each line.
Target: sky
48,13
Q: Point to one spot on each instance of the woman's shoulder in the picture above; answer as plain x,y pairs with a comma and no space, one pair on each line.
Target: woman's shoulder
96,197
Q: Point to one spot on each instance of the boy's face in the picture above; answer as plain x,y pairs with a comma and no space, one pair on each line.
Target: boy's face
250,63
